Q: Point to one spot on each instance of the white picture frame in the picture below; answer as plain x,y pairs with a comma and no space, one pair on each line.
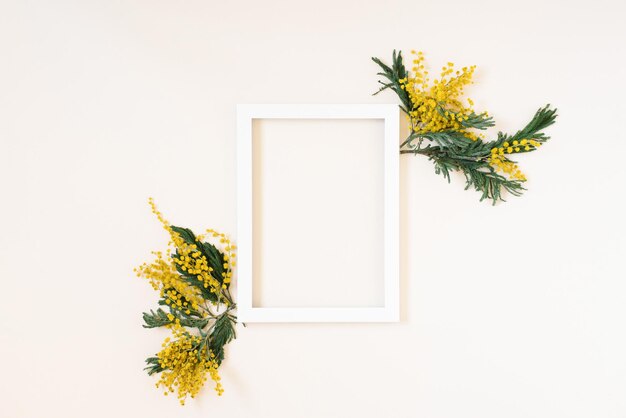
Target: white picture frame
248,313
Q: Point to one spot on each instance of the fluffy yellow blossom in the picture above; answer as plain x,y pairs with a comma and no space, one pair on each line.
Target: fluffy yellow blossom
188,258
498,159
229,256
506,166
185,366
437,106
162,275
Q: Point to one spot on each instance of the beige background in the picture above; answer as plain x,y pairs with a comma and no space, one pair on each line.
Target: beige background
508,311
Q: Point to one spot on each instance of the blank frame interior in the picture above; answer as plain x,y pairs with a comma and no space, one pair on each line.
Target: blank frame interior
317,213
315,184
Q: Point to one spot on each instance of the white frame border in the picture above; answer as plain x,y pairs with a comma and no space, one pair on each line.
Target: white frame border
390,312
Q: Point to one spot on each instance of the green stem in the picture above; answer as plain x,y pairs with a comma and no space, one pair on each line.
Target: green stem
416,151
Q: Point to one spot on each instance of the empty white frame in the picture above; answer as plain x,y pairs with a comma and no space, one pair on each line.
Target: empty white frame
247,312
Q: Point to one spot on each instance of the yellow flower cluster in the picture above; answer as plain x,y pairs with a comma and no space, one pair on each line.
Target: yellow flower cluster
189,258
229,257
438,107
164,278
498,159
185,369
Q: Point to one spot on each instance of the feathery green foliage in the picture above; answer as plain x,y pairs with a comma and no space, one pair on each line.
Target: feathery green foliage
393,75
